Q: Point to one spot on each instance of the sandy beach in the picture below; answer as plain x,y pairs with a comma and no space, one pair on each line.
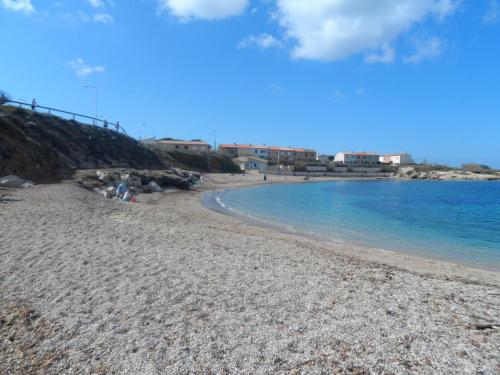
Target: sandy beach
96,286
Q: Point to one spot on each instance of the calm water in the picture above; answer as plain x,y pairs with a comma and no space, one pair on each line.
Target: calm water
458,221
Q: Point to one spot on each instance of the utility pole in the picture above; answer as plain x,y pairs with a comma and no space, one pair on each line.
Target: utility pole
215,143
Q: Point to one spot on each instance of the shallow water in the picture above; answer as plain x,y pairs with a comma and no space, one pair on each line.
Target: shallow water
452,220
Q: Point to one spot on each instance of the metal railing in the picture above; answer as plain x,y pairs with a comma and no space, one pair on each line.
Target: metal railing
74,115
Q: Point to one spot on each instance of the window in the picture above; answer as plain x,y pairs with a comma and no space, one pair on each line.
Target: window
185,147
177,147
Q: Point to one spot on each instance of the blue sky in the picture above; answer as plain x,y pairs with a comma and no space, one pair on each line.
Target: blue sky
421,76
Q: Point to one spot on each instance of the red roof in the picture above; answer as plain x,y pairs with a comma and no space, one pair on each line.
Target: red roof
244,146
270,148
186,143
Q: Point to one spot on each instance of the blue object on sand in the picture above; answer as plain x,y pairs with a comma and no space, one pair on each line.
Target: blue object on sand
122,188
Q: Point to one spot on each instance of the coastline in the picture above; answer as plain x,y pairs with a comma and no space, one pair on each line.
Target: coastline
412,262
92,285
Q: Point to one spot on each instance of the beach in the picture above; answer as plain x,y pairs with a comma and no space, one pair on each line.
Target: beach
90,285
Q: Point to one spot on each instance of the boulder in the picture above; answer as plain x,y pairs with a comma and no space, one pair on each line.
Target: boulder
146,189
169,179
132,179
155,187
90,184
15,182
104,177
178,172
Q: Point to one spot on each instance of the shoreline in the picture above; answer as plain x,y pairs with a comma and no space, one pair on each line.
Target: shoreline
406,260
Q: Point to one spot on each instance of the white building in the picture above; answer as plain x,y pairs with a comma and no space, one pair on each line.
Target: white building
369,159
193,147
234,150
251,163
397,159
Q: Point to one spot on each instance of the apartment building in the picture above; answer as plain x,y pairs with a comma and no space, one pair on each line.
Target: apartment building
396,159
368,159
193,147
274,155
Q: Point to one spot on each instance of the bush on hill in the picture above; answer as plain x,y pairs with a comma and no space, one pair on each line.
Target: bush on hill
211,163
433,167
476,168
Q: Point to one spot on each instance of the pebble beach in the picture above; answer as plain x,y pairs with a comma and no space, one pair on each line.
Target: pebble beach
168,286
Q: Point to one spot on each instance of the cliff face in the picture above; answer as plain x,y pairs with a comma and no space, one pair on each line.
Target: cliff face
46,148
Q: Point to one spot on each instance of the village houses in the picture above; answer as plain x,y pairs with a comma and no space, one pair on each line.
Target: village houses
272,154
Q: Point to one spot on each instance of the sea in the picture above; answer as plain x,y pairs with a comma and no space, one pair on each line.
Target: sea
457,221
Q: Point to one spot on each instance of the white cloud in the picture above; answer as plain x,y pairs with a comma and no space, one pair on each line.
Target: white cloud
262,41
203,9
385,55
493,13
82,69
97,3
103,18
23,6
426,50
330,30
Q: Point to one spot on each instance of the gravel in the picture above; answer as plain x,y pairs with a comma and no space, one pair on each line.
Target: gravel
89,285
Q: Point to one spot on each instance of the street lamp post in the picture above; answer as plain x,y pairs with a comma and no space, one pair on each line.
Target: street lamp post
95,87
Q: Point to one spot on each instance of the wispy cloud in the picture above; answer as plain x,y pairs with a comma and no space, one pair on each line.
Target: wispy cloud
23,6
385,55
360,91
276,89
263,41
103,18
493,13
101,3
97,3
337,96
425,49
82,69
186,10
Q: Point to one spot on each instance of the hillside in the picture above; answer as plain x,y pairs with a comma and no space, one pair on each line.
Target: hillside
212,162
45,148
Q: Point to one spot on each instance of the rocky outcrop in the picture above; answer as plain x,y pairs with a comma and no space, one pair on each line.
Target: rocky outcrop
448,175
137,181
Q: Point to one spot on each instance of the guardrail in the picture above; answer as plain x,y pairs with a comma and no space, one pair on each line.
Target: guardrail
74,115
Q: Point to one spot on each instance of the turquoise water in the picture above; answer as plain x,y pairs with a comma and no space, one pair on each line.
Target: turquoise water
452,220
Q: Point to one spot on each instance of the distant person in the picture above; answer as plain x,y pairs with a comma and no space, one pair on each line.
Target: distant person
265,177
117,126
33,105
105,124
